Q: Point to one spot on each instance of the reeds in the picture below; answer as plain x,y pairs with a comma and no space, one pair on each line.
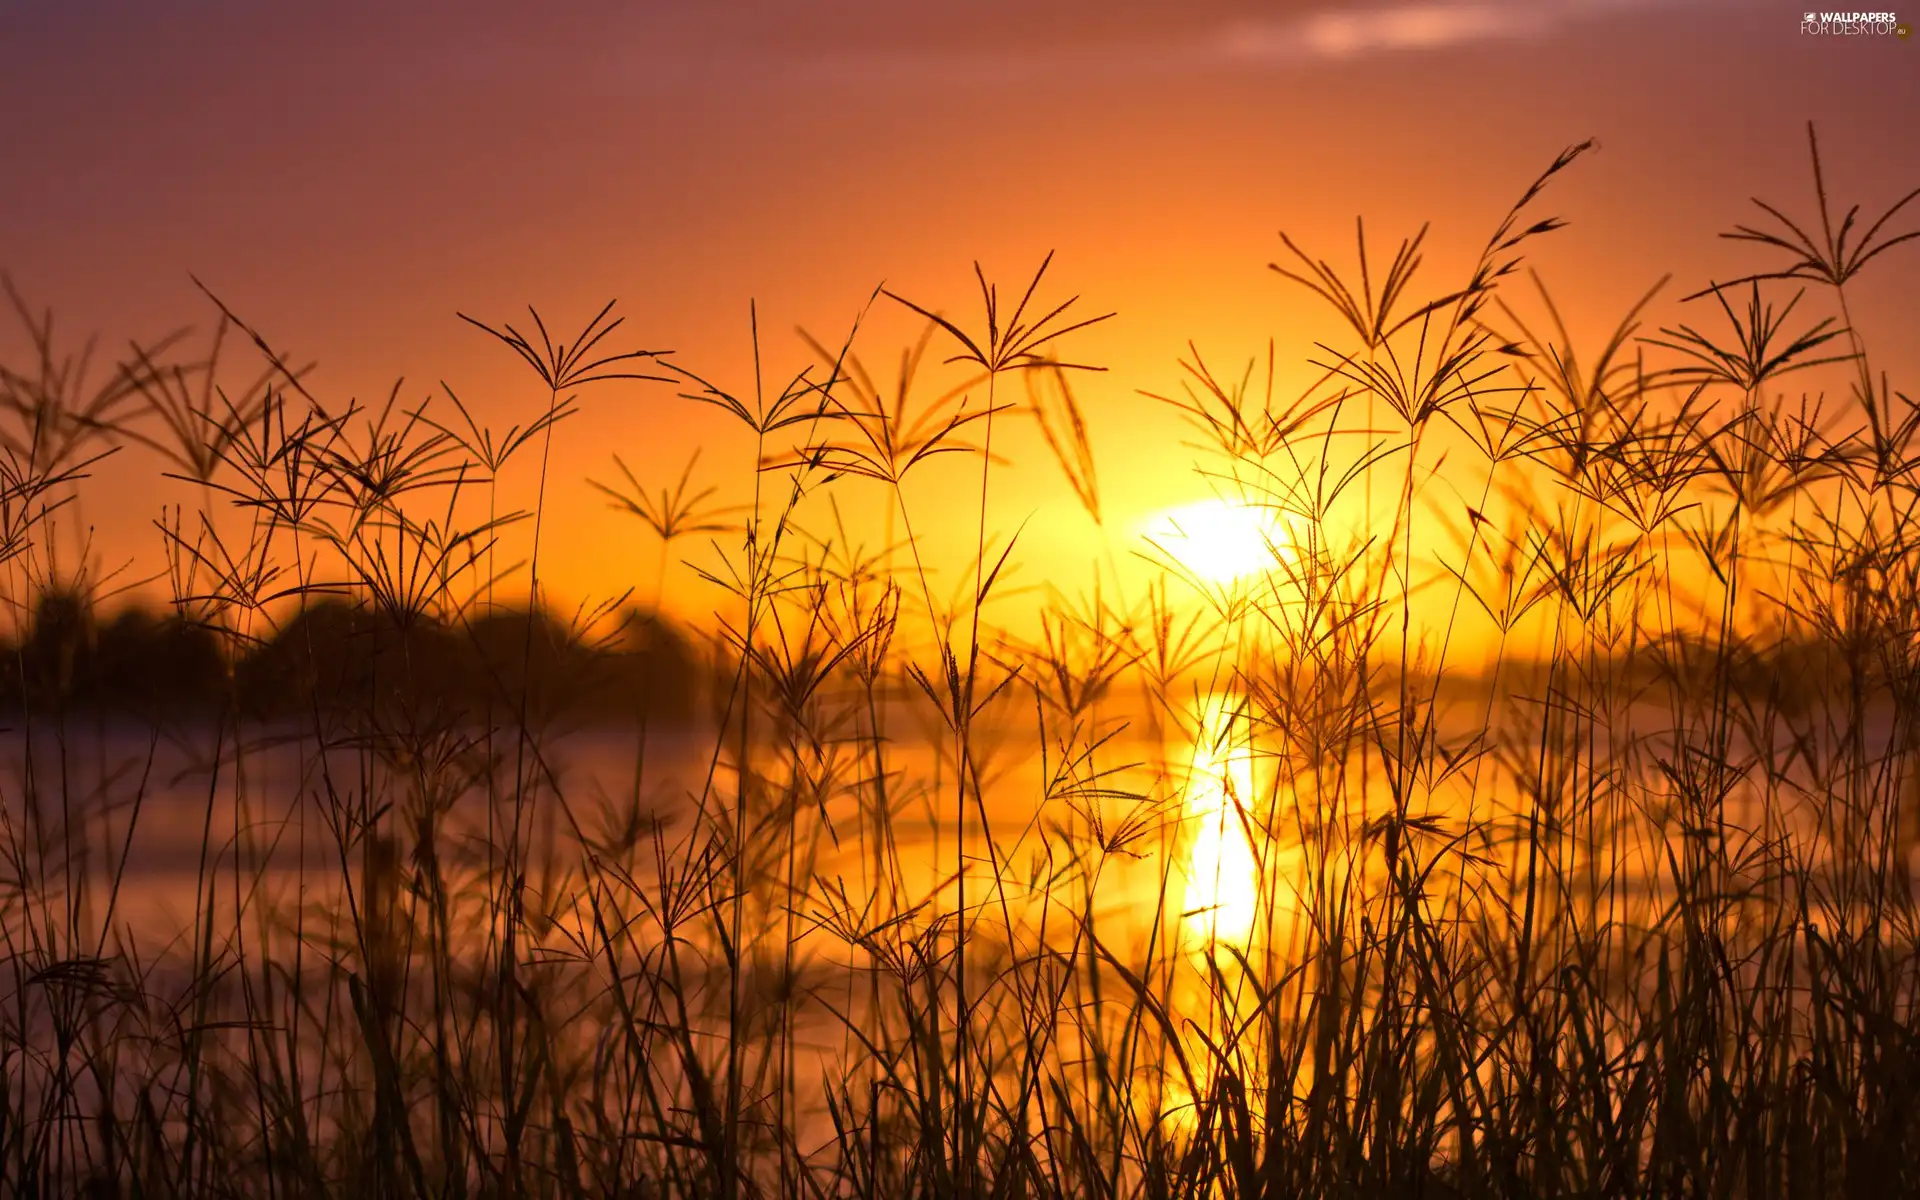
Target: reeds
1569,791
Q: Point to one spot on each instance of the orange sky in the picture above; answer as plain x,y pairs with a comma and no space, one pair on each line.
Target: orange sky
348,181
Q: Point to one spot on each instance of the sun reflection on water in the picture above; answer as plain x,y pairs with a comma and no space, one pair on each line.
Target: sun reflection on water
1240,904
1223,874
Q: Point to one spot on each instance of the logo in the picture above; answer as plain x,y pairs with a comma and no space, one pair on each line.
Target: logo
1853,24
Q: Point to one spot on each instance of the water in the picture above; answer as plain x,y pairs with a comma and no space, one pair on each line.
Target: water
134,825
1219,853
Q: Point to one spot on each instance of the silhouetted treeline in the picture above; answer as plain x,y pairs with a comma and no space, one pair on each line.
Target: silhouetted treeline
334,656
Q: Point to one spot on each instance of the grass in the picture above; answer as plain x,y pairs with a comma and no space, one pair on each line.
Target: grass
1193,888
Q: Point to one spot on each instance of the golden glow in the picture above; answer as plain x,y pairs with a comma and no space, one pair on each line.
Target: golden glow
1220,541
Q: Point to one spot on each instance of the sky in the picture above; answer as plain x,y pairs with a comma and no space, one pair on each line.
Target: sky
350,176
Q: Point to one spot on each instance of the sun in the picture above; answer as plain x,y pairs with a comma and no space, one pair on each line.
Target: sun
1220,541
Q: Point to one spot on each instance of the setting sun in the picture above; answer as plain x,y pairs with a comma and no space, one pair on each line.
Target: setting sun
1220,541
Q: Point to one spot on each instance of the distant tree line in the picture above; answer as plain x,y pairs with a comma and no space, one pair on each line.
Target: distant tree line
334,656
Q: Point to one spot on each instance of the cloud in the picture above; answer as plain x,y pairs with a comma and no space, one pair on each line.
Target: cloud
915,56
1353,33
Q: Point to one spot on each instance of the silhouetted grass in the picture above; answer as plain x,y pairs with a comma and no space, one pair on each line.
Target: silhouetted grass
1269,887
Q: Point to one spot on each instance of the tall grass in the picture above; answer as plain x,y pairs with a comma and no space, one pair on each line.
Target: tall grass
1536,822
